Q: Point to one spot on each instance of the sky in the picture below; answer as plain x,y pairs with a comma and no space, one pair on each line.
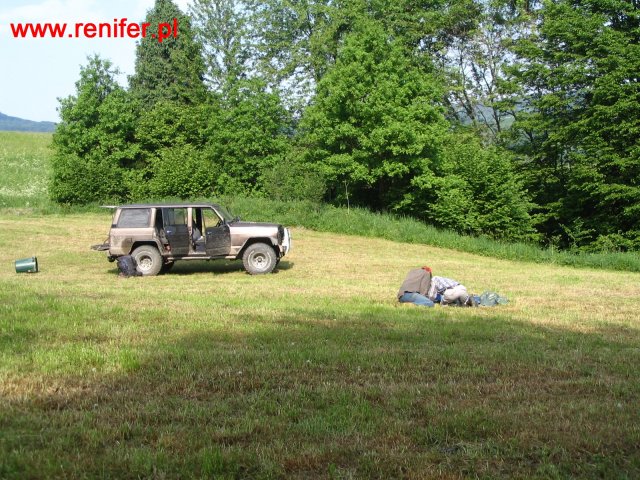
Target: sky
35,72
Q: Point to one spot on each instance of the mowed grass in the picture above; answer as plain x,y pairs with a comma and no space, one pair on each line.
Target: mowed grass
314,371
24,158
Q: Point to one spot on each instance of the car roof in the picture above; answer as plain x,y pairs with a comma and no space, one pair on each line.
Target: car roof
166,205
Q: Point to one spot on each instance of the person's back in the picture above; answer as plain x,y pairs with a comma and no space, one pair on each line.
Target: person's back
415,286
196,235
198,239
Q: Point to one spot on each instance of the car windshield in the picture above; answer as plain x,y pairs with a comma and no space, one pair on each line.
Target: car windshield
226,215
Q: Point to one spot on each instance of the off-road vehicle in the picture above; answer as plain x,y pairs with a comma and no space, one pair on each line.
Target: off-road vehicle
157,235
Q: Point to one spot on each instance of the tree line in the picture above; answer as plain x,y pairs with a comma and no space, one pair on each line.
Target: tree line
516,119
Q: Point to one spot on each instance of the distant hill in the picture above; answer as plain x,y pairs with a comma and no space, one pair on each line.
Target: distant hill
16,124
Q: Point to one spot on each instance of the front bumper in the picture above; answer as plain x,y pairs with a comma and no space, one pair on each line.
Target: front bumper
287,242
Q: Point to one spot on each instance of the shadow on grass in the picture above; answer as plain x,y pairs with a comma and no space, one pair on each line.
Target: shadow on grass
386,393
216,267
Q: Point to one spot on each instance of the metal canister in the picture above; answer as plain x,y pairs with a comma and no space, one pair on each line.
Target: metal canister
27,265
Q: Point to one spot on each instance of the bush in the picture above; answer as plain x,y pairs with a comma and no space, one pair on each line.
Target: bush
291,179
478,192
181,172
94,141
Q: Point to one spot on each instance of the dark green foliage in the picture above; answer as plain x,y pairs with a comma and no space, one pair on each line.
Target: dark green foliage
293,179
475,190
220,147
171,70
169,124
180,171
374,122
246,138
93,143
401,106
581,76
172,138
378,135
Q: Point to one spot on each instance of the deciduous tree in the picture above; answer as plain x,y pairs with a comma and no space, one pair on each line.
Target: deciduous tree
94,142
374,122
222,28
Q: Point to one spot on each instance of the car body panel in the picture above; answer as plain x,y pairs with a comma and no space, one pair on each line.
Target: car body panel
174,227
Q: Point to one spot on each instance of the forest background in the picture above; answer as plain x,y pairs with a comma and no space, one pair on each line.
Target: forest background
514,120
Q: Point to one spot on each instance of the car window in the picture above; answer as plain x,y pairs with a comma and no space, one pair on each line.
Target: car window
211,219
134,217
174,216
224,213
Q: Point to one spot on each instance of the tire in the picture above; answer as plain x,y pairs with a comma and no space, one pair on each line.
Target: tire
259,259
148,259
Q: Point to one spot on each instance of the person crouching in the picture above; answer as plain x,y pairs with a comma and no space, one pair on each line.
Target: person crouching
415,287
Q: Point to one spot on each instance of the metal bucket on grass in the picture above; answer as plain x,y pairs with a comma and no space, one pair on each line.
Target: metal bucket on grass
27,265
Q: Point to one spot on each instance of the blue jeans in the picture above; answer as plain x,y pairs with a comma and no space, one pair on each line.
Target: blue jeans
413,297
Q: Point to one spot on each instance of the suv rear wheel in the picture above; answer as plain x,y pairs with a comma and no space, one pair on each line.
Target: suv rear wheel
148,259
259,258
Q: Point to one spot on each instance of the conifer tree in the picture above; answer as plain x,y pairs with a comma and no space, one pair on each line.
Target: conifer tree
170,69
580,74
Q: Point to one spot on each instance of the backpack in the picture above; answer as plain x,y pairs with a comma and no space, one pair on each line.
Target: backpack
127,266
491,299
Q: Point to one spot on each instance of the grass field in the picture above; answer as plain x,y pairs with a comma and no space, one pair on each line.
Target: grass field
24,158
312,372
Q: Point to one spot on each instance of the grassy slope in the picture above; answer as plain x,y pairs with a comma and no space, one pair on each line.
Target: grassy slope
315,371
358,221
24,159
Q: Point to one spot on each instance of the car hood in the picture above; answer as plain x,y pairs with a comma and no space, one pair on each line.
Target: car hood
252,225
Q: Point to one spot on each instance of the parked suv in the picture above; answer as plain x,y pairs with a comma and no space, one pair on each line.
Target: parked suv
157,235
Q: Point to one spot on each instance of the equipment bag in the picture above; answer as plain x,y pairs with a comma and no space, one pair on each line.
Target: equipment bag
491,299
127,266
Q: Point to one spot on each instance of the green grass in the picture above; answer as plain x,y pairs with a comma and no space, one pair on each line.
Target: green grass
312,372
24,159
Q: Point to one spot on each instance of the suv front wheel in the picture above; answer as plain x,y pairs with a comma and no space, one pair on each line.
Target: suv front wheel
259,258
148,259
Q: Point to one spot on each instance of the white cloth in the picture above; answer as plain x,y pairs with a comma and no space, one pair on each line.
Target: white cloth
456,294
450,290
439,285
